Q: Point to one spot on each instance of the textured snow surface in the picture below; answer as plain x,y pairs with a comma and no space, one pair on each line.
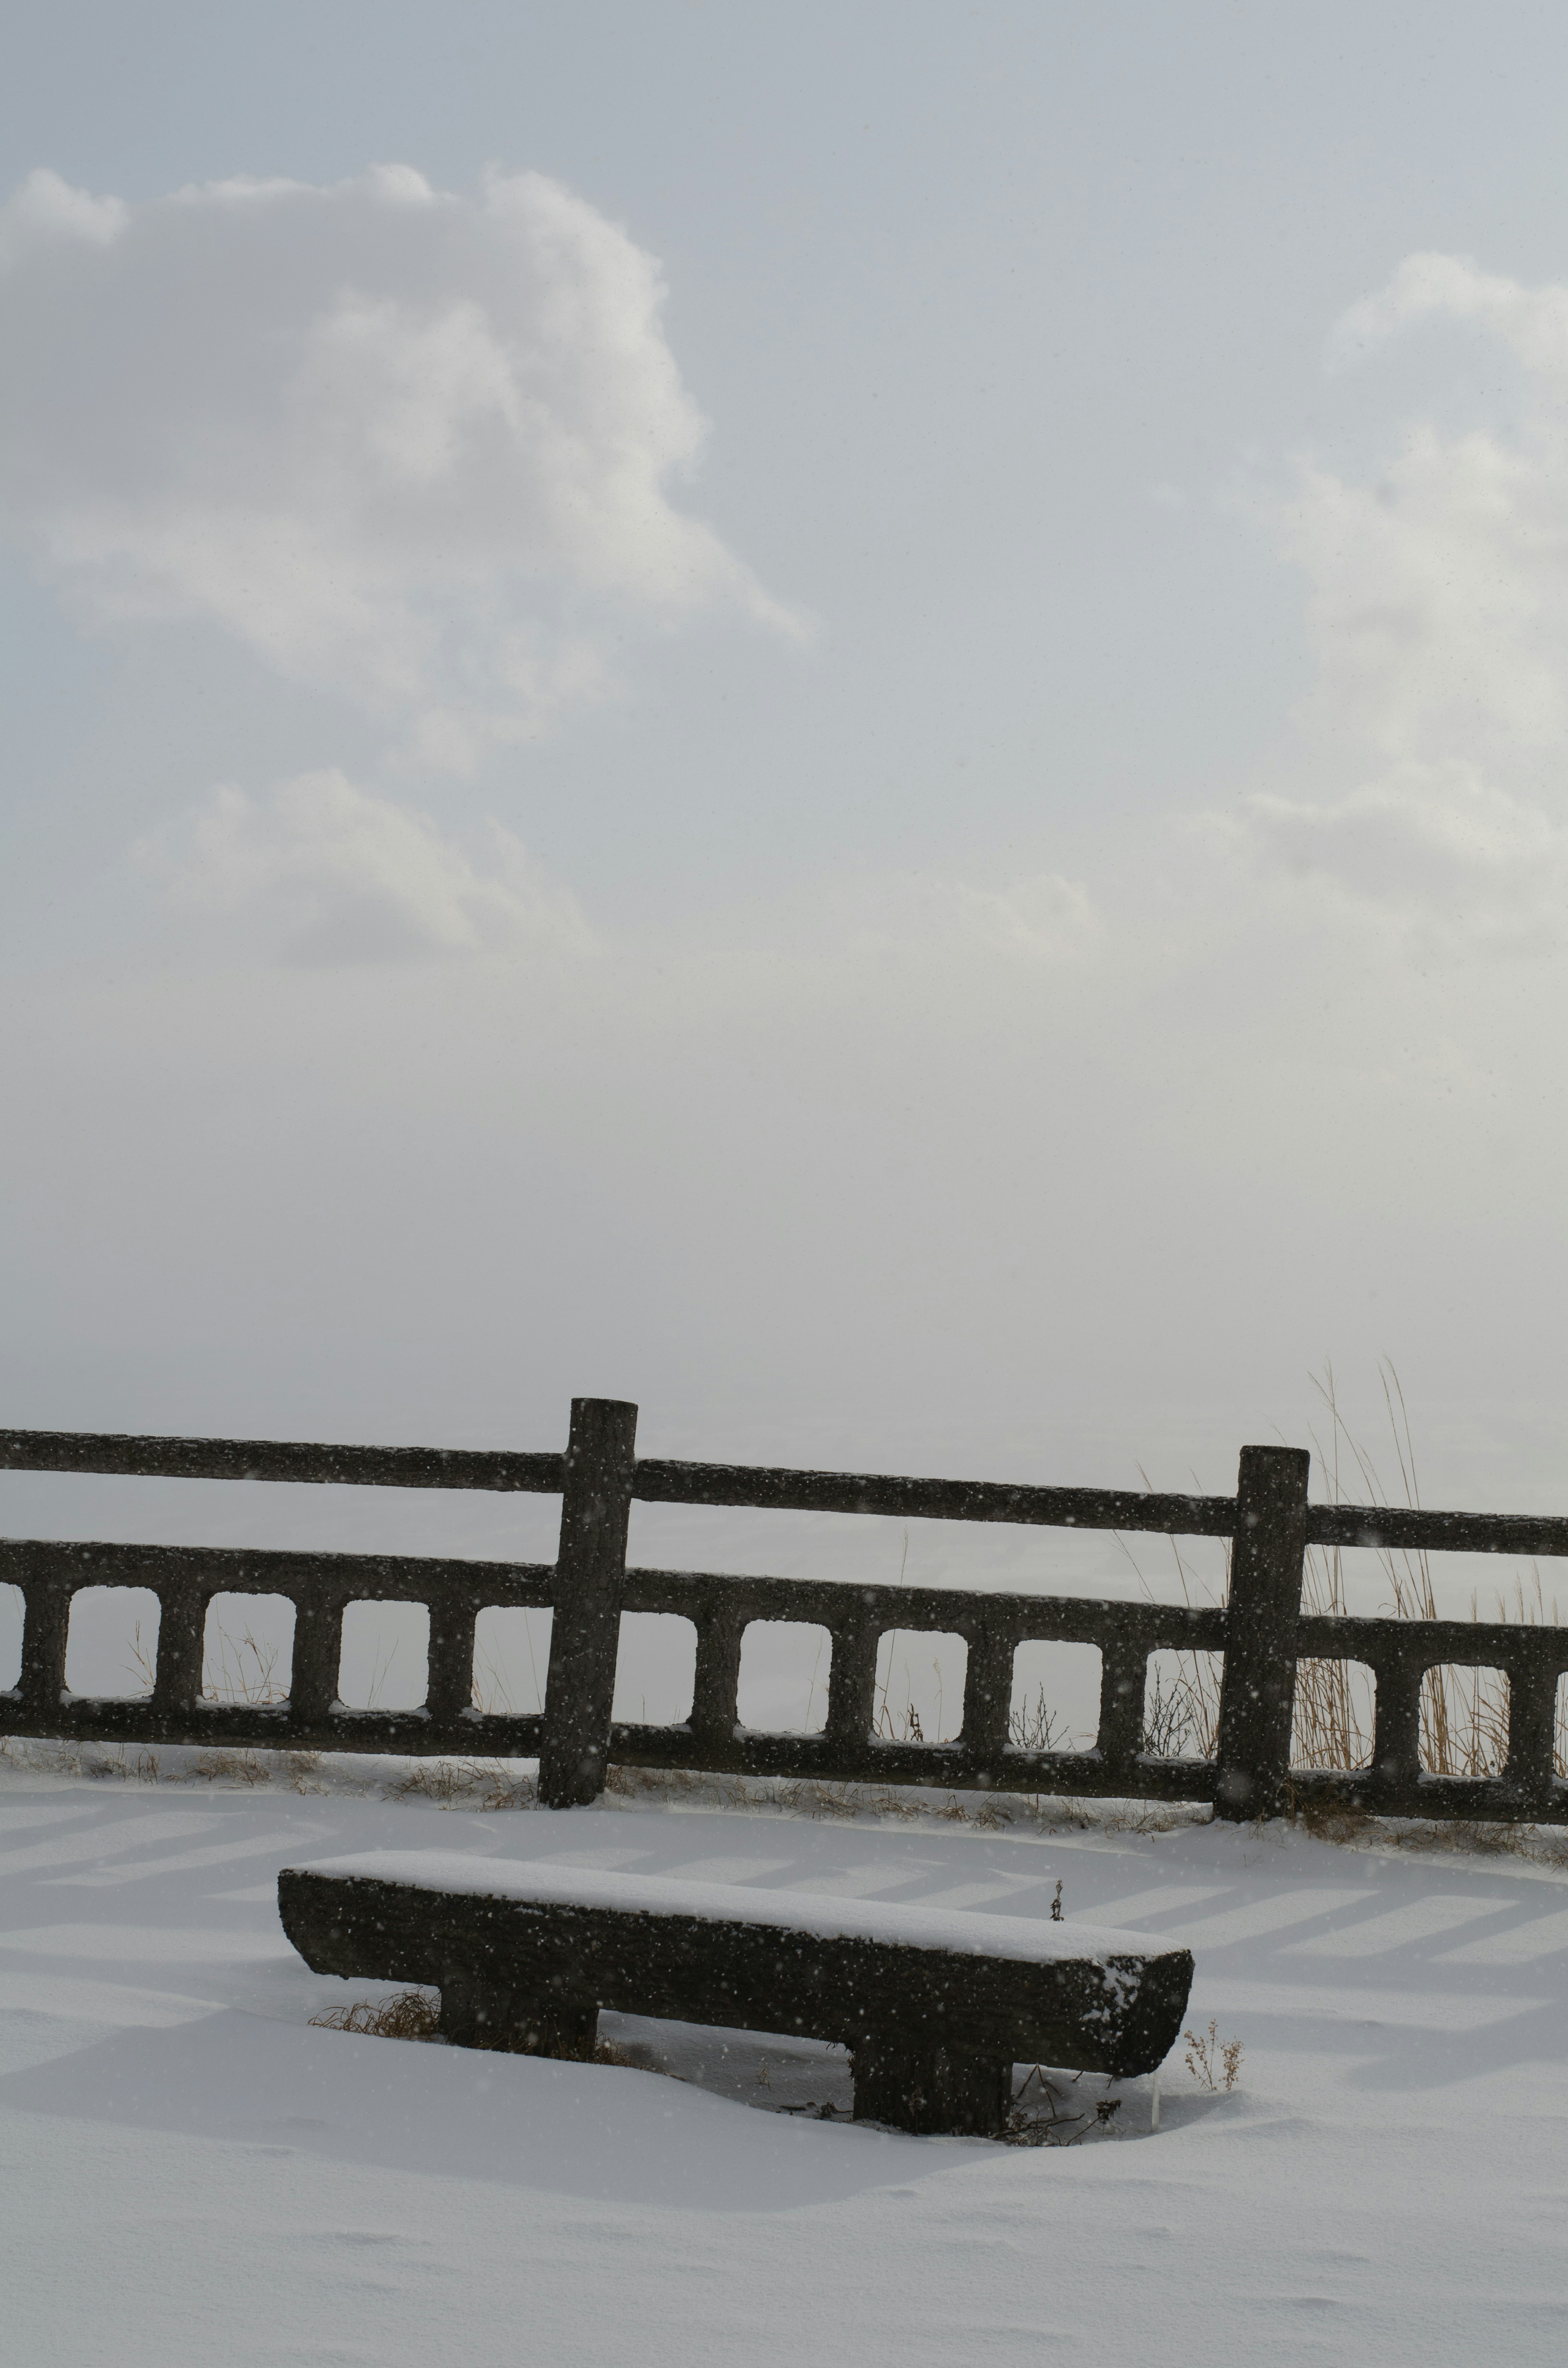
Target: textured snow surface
193,2175
1028,1940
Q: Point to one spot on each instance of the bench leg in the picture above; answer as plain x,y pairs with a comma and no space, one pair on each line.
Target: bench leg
479,2014
931,2090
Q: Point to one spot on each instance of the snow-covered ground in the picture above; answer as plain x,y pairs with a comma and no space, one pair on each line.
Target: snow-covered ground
193,2174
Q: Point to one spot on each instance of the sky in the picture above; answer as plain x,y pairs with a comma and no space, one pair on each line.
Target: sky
848,719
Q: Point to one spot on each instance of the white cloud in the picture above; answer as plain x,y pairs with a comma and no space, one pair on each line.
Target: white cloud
1439,596
1533,321
1438,846
1439,605
48,212
1044,916
412,447
338,876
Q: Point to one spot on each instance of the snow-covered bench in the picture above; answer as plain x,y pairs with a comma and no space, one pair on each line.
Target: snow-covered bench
936,2006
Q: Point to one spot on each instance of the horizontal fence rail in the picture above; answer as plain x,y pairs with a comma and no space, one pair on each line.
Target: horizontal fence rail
1412,1528
278,1459
654,1481
1261,1632
931,1500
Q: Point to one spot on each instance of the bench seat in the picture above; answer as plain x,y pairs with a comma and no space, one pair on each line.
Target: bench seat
936,2006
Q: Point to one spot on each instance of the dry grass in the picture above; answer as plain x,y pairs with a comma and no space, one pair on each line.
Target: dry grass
841,1800
142,1663
1181,1710
471,1783
416,2014
1484,1837
411,2014
1216,2062
1465,1709
36,1755
1329,1821
130,1763
239,1767
246,1671
1054,2109
1035,1727
492,1695
891,1724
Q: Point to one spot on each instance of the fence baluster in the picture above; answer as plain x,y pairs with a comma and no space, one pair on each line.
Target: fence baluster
852,1681
1532,1718
714,1709
1124,1677
449,1686
46,1622
182,1634
590,1580
318,1651
1396,1726
988,1692
1257,1693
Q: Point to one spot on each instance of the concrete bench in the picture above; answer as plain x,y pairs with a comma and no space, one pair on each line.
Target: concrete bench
935,2006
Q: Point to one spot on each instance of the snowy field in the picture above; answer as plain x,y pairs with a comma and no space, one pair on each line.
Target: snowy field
194,2175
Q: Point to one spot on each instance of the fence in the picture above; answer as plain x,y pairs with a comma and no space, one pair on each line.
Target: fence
1261,1632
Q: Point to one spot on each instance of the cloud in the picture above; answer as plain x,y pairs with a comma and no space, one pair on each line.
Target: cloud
1533,321
1437,846
413,447
337,876
1439,596
1438,608
1044,916
47,211
323,873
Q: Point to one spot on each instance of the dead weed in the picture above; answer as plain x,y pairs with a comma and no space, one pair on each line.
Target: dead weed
416,2014
411,2014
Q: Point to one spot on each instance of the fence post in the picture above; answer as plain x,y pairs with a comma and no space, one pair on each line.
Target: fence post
590,1574
1257,1694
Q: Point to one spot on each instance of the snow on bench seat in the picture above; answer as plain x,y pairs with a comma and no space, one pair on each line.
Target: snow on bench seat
1026,1939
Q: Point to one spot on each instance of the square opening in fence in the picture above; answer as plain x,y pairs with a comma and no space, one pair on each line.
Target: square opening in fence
248,1650
920,1683
384,1660
784,1672
655,1670
1055,1704
1181,1705
111,1646
11,1615
511,1658
1464,1720
1335,1709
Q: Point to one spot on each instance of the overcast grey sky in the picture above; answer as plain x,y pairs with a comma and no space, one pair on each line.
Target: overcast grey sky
851,719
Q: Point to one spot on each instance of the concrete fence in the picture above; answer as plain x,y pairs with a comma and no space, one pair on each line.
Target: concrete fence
1261,1632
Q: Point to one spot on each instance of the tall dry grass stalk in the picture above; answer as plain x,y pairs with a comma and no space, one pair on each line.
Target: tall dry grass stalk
1464,1708
905,1726
1181,1708
242,1669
